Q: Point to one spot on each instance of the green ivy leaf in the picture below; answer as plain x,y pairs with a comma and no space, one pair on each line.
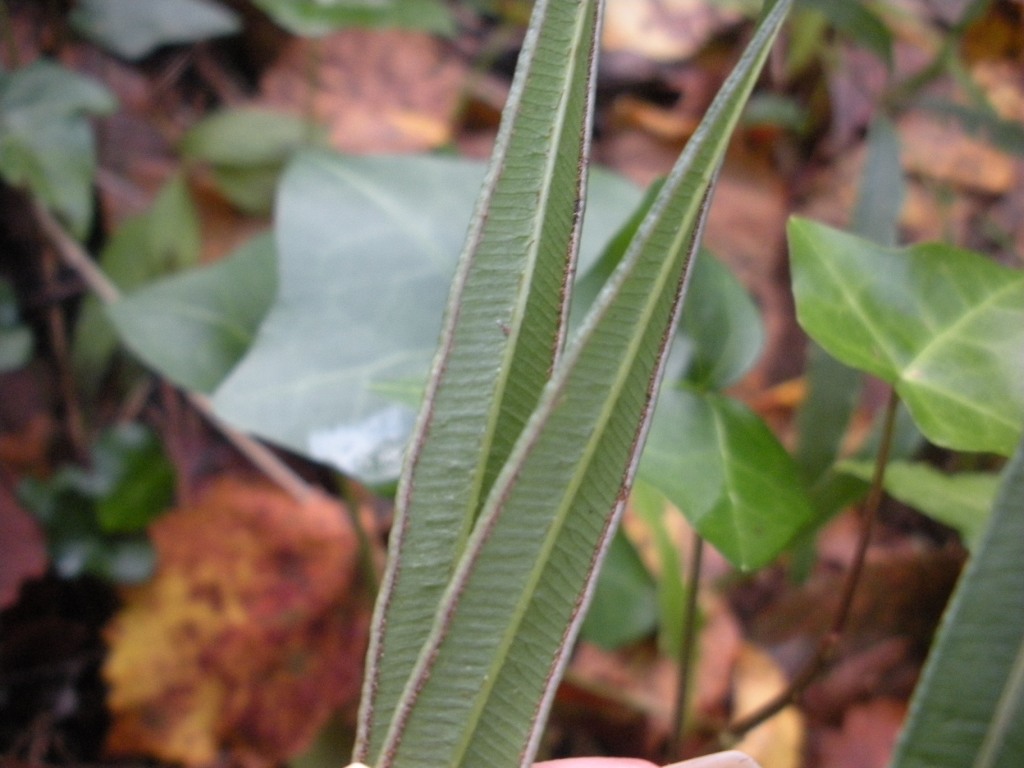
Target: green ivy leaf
943,325
724,469
246,149
94,517
625,604
134,28
162,240
194,327
46,142
721,323
320,17
367,247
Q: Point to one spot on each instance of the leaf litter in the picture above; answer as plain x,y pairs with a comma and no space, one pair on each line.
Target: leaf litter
251,633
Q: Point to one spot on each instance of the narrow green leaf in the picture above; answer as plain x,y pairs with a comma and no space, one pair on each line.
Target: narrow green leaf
649,505
720,333
134,28
876,215
943,325
195,327
485,677
721,465
502,334
968,709
962,500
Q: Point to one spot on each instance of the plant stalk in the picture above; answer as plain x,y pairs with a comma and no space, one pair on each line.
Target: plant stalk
686,649
830,640
262,457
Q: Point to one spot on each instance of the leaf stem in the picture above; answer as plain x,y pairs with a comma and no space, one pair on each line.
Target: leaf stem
686,648
262,457
830,640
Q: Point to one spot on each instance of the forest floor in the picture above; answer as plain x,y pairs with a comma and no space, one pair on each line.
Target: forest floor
396,91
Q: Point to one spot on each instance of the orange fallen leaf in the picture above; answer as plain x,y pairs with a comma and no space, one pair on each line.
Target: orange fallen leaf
248,636
664,30
778,742
375,90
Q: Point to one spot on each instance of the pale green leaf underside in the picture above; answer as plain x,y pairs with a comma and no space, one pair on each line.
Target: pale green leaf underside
502,334
485,677
968,709
367,247
944,325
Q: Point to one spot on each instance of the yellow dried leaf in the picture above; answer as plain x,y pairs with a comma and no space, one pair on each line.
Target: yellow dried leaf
247,638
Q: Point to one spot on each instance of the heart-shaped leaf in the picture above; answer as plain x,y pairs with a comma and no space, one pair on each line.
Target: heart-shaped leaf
943,325
46,142
196,326
724,469
367,247
134,28
962,500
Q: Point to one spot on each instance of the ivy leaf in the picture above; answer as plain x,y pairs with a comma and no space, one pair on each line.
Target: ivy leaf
194,327
943,325
723,468
46,142
320,17
246,150
135,28
367,247
164,239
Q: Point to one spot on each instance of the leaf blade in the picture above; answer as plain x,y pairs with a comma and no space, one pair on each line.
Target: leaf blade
967,708
486,675
943,325
502,334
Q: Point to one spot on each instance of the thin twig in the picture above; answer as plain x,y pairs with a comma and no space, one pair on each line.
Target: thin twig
686,648
262,457
58,331
827,645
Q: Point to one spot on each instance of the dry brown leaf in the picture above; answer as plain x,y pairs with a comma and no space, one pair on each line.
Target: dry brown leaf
778,742
247,637
867,737
940,150
376,90
664,30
